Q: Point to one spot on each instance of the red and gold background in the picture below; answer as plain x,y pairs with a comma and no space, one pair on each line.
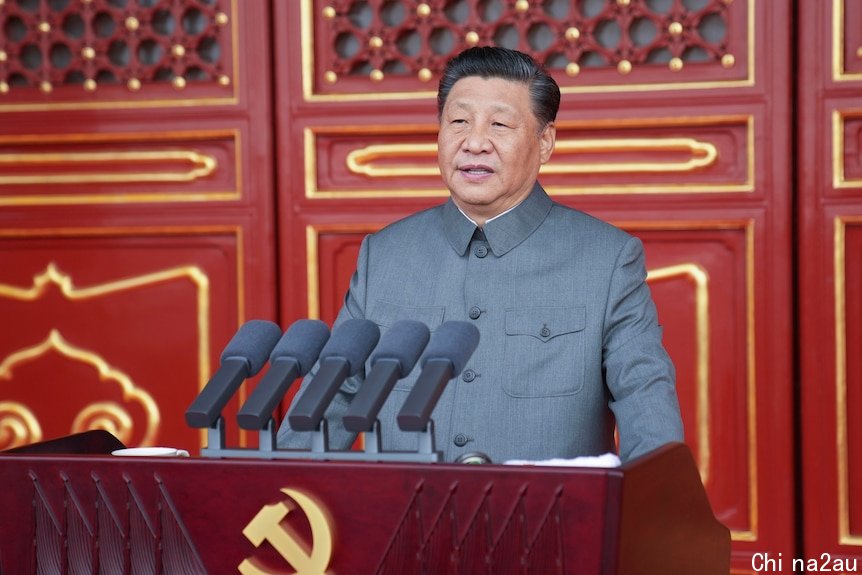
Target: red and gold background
172,168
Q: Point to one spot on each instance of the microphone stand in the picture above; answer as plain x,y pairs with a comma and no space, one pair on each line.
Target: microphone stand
215,439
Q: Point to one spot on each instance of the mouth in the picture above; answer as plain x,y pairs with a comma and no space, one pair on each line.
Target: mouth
475,170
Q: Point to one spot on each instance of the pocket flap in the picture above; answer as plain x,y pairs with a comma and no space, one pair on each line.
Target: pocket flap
386,313
545,323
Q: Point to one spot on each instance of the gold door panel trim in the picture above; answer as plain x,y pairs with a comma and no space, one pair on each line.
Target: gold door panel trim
699,276
703,154
751,386
82,167
118,421
18,425
839,74
307,33
312,233
375,160
53,275
845,537
839,174
693,271
751,373
50,168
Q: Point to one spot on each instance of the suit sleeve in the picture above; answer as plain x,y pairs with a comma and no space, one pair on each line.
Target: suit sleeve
354,307
638,371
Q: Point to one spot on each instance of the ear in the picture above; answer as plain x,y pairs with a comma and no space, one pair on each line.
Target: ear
547,140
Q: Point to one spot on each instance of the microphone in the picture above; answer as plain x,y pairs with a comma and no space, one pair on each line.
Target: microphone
342,356
293,356
392,360
243,356
448,352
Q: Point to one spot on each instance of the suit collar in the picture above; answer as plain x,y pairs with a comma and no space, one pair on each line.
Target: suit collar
502,233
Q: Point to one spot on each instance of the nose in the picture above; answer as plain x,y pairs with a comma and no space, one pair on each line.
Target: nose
477,140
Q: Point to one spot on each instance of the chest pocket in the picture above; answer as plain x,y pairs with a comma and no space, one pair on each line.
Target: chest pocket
544,351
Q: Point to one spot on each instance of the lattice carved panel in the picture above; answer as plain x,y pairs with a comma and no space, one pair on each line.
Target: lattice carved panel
104,50
400,46
699,279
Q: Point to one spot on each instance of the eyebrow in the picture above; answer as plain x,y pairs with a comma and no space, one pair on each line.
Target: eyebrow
495,108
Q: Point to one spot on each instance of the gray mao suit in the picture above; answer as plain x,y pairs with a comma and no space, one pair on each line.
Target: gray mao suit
570,342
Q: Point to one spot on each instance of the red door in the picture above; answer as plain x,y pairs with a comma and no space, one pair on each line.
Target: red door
674,125
136,210
152,198
829,173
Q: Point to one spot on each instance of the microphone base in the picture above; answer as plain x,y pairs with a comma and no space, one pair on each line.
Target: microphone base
281,454
426,452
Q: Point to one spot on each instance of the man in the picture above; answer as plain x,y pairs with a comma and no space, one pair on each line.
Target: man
570,343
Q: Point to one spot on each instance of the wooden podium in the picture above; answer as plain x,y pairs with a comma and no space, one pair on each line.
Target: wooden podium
81,510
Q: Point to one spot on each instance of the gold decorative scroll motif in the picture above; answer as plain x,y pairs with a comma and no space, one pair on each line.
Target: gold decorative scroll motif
103,167
72,293
101,415
80,168
18,425
382,160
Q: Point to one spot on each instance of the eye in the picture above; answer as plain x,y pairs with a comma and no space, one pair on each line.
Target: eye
459,121
499,125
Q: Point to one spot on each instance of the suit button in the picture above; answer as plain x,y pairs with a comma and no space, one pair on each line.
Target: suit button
468,375
460,440
544,332
481,251
475,312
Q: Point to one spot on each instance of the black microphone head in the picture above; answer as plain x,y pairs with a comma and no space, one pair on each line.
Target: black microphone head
352,340
303,342
252,342
404,341
455,341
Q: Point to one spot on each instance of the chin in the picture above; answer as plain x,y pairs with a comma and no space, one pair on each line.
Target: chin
473,200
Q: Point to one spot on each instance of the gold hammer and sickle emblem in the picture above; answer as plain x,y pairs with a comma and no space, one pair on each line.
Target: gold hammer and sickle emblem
266,526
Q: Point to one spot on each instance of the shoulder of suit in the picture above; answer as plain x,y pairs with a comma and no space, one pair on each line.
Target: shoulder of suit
428,219
586,222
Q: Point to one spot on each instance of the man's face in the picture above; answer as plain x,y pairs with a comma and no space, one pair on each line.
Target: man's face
490,146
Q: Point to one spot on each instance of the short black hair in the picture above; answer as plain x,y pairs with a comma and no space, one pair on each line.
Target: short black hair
497,62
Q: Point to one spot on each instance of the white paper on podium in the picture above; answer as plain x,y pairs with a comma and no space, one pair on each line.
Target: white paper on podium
606,460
